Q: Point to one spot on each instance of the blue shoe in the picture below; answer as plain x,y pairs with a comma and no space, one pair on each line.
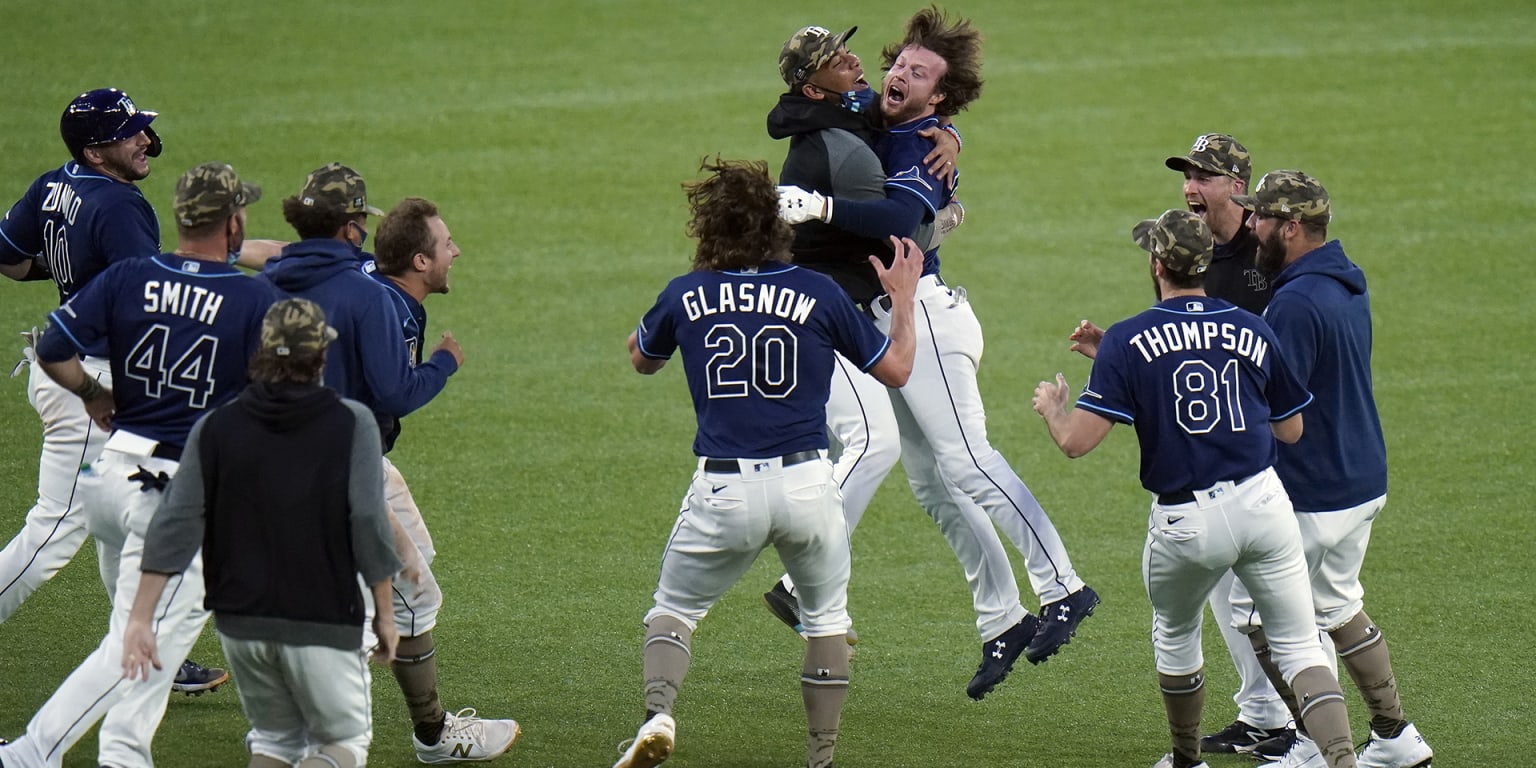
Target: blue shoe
998,656
194,679
1058,623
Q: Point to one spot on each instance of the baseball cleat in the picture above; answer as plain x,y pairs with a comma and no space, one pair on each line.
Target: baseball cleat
1302,754
194,679
1058,623
1272,748
1405,750
467,738
998,656
652,744
786,608
1242,738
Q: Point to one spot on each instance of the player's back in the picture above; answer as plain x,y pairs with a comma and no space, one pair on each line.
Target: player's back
81,221
1201,380
180,334
758,349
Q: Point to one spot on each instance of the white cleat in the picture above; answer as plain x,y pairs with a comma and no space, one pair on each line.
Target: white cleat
1407,750
652,745
1302,754
1167,762
468,739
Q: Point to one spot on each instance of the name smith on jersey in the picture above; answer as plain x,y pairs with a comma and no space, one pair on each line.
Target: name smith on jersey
191,301
749,297
1159,340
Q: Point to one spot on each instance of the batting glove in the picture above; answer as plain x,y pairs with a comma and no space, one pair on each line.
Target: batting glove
28,355
798,206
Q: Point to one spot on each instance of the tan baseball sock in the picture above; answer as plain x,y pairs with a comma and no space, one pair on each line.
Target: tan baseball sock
1322,712
666,658
1364,651
1260,645
824,687
1183,698
415,670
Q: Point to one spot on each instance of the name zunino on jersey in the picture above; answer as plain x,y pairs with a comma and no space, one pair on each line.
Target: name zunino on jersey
1159,340
192,301
781,302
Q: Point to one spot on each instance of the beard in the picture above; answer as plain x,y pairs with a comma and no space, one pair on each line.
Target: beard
1271,256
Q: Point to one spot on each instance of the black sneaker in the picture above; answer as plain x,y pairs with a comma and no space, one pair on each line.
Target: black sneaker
1243,738
997,656
1274,747
784,606
787,609
1058,623
194,679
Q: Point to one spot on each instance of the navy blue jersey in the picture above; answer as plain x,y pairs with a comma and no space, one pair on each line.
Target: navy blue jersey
413,326
80,222
180,334
1200,380
757,348
901,152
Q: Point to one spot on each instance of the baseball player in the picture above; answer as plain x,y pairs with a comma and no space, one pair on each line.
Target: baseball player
73,222
178,329
282,559
370,363
1216,167
1337,473
936,69
1199,378
828,116
757,337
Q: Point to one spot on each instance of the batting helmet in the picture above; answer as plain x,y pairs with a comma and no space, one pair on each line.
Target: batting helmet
103,116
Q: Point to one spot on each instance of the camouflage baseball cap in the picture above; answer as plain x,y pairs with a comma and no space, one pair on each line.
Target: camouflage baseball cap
807,50
295,326
1179,239
211,192
337,186
1215,153
1288,195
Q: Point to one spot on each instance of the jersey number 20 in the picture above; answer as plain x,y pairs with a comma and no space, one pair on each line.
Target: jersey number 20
192,372
767,364
1199,395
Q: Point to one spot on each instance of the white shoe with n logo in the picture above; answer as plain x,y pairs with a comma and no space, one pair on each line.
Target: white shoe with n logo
468,739
652,744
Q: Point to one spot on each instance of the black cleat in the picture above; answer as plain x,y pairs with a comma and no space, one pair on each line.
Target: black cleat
1058,623
1242,738
194,679
786,608
1274,747
998,656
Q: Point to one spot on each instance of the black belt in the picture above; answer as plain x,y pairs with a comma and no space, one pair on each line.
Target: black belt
731,466
885,298
164,451
1188,497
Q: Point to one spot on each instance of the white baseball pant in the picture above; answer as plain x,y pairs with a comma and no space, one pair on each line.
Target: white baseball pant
117,512
862,418
1246,527
1335,544
1257,702
299,698
416,604
729,518
55,526
943,422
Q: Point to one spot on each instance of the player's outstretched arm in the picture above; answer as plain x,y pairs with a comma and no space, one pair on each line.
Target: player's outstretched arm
900,282
139,649
1085,339
1075,431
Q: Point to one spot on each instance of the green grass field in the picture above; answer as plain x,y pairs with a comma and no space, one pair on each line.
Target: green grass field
555,135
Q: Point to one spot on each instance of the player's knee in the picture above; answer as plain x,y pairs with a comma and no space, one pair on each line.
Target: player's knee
333,756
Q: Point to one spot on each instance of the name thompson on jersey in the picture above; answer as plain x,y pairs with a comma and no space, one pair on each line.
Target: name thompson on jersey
1158,340
767,299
